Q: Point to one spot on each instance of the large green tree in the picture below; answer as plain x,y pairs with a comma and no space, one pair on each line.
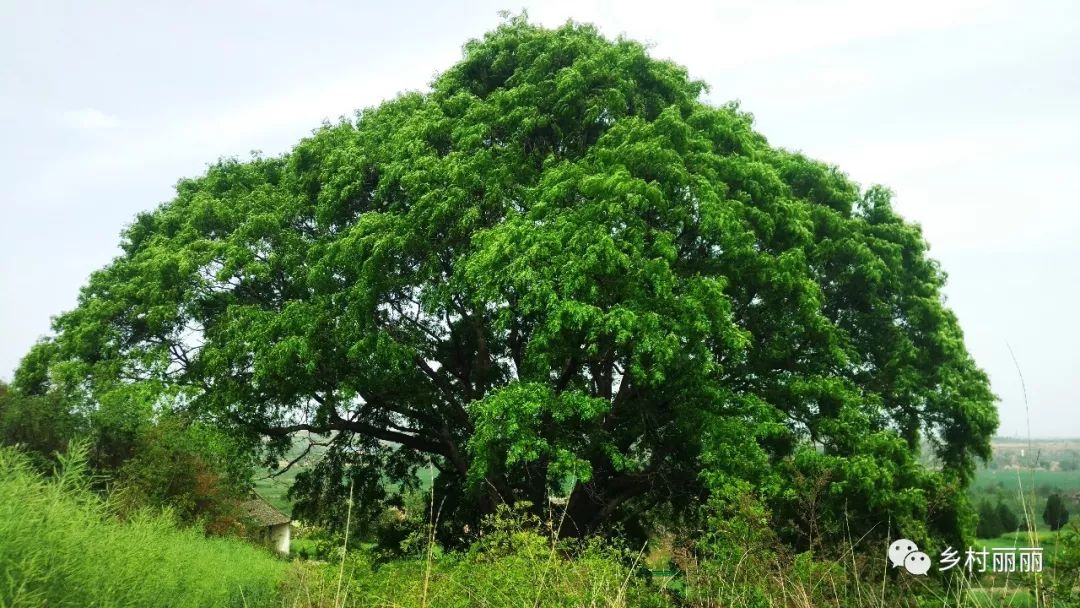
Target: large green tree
559,268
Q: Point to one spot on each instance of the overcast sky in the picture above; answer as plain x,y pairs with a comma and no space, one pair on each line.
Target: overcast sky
969,111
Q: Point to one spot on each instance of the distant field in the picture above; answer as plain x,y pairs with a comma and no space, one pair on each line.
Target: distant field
274,485
1044,538
1013,480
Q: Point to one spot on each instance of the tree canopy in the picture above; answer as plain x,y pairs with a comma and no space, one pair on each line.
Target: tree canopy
558,270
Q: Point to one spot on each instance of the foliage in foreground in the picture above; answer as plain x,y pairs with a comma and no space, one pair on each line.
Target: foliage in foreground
535,577
737,561
60,546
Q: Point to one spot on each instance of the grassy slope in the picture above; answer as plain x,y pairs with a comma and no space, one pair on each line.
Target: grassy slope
60,547
274,489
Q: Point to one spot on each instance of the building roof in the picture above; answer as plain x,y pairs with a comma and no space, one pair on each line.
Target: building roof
263,512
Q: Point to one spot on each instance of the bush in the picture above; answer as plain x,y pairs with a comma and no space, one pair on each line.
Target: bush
990,524
148,459
735,558
1065,580
1009,521
39,426
1055,514
192,469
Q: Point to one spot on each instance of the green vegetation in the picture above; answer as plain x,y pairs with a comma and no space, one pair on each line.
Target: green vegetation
1055,514
1014,487
1006,519
1011,479
61,545
41,425
995,520
146,459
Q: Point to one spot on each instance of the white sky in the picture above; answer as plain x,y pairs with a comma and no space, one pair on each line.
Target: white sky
970,111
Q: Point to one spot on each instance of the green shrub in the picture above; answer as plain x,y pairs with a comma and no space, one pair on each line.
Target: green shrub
192,468
1008,519
1055,514
38,425
990,524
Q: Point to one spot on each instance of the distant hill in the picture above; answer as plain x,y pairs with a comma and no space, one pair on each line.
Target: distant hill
273,485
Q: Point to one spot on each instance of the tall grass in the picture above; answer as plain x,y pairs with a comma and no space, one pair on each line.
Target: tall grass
517,562
450,580
60,546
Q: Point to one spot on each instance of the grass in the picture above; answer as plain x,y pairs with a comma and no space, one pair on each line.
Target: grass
60,546
1008,598
509,581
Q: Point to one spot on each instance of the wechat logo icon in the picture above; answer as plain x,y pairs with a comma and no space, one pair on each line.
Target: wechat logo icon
906,553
